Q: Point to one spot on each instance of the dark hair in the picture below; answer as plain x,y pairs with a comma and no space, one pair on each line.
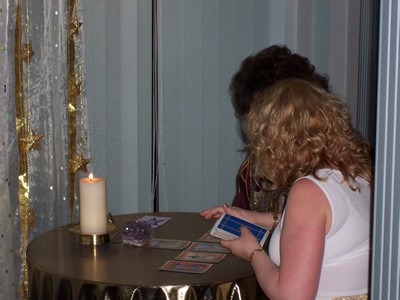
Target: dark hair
262,70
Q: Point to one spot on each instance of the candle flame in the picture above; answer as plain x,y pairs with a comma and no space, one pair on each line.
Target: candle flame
90,177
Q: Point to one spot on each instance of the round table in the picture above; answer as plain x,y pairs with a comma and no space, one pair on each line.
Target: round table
60,267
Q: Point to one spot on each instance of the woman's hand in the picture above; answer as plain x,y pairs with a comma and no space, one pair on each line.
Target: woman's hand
214,212
217,211
244,245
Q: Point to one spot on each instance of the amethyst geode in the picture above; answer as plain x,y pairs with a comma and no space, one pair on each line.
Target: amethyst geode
136,233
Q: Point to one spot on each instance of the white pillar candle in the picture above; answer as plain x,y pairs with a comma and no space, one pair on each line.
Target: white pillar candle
93,206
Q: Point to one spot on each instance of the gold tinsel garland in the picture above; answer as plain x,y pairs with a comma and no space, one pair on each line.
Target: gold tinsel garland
27,138
76,161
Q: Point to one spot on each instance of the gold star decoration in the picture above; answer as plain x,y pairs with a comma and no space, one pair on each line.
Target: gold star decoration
28,52
78,163
32,141
74,27
75,88
71,108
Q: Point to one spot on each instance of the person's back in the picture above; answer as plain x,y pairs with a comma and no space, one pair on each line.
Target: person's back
304,144
347,246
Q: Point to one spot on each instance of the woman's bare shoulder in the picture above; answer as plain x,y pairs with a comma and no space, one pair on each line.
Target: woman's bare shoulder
307,200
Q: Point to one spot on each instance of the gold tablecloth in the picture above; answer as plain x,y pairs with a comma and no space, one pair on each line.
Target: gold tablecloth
60,267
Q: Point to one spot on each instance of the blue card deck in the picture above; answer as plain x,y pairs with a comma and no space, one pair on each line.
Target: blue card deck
228,227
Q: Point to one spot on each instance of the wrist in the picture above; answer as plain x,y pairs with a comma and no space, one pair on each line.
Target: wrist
255,252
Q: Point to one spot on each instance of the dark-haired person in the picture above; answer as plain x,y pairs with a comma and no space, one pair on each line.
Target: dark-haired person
257,73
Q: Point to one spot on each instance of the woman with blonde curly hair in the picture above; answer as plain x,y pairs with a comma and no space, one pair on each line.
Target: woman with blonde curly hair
303,142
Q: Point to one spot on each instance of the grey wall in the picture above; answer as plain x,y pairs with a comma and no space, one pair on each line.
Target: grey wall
201,45
117,83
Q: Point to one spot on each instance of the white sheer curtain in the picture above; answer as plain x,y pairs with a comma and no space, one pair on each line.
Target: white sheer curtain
45,102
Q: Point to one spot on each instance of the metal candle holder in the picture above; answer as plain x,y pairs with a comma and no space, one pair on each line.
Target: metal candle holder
94,239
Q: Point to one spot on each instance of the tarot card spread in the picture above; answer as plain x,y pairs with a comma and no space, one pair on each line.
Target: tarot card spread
185,267
207,247
154,221
207,238
197,256
167,244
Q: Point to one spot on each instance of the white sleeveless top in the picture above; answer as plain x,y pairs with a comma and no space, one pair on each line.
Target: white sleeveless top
345,265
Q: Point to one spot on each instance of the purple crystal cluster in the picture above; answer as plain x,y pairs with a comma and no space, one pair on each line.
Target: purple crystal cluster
136,233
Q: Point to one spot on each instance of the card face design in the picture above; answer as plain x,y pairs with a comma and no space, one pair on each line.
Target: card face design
228,227
207,238
185,267
167,244
207,247
197,256
154,221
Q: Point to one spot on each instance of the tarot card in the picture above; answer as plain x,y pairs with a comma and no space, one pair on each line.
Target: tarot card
207,238
154,221
207,257
185,267
167,244
207,247
228,227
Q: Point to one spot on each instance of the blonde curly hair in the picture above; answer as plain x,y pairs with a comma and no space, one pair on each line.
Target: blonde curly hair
296,128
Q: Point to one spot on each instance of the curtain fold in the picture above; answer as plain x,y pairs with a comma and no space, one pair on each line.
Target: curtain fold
201,46
34,133
8,158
